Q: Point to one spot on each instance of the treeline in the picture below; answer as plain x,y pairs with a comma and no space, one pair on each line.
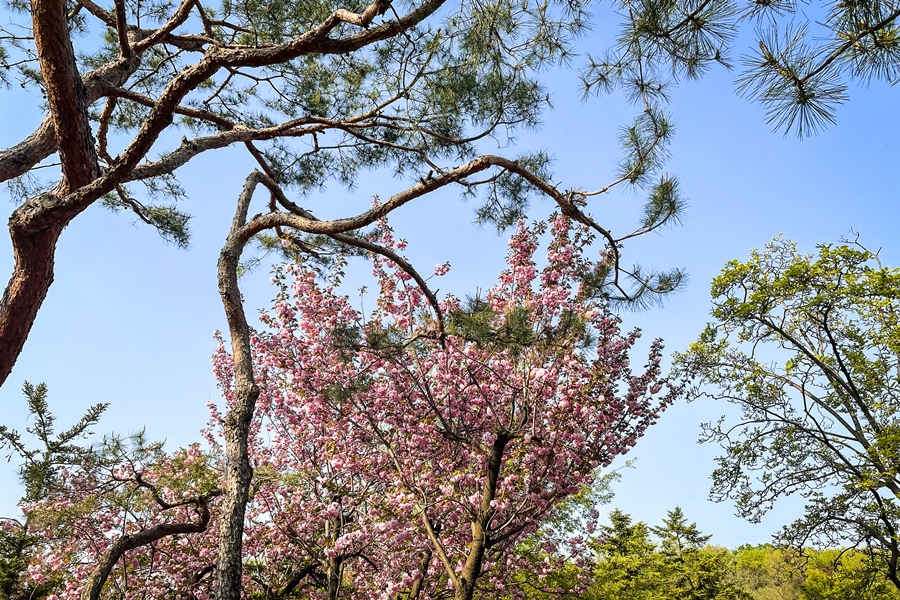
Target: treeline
634,561
675,561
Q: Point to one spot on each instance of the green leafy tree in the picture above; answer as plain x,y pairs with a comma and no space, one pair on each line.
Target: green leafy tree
692,570
836,574
678,565
808,347
628,566
674,561
766,572
769,573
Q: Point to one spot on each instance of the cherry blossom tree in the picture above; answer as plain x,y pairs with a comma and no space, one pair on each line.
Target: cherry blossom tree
394,452
296,226
126,520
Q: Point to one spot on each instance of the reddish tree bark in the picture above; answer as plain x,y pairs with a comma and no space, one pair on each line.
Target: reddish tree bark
66,94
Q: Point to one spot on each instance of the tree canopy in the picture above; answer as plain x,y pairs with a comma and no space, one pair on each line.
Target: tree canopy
388,461
807,347
319,92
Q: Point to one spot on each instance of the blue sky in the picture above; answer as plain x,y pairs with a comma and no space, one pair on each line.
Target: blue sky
129,319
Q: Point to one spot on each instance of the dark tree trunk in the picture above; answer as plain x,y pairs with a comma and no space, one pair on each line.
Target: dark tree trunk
479,544
66,94
36,225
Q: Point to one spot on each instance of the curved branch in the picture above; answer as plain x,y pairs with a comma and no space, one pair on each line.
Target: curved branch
279,195
179,17
316,40
94,584
309,224
35,226
403,264
22,157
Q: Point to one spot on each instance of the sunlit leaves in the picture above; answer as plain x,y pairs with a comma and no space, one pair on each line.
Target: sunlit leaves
41,466
661,41
805,347
665,205
800,79
169,221
645,145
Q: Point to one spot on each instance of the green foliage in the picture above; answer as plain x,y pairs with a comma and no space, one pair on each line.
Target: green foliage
692,571
40,467
39,474
167,219
799,76
567,520
801,80
838,575
519,330
769,573
807,348
674,561
15,545
665,204
785,79
679,566
627,564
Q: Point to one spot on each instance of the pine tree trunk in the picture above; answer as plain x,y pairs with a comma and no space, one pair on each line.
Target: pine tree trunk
238,472
27,288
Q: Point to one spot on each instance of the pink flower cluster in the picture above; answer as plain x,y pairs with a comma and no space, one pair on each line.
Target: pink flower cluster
102,500
371,431
386,450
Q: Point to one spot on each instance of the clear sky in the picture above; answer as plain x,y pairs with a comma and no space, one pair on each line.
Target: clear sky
129,319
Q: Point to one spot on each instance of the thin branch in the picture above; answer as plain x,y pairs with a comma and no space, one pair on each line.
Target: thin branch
196,113
403,264
177,18
439,548
839,51
103,130
122,30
